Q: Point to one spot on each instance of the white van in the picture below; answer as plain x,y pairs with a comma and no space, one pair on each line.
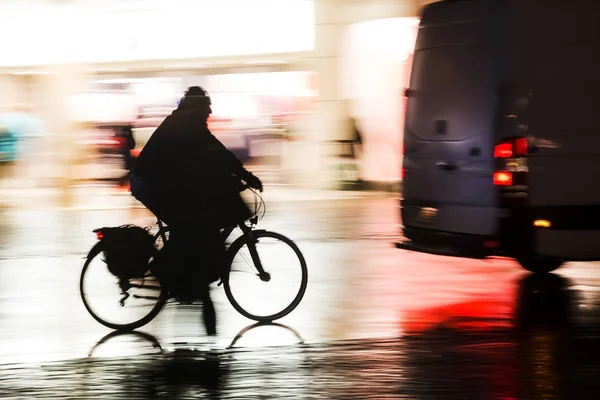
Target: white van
502,134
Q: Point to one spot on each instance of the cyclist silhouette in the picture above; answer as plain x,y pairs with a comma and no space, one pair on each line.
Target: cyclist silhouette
191,181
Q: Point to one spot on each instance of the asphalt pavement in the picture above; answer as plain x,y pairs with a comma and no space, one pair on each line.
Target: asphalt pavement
376,321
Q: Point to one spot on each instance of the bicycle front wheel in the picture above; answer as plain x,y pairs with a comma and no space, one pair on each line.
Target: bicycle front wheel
268,300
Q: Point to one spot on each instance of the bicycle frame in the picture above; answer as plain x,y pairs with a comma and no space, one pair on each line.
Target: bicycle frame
163,229
225,233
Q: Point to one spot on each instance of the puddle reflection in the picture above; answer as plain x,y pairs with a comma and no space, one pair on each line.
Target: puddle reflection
260,334
267,337
544,328
122,344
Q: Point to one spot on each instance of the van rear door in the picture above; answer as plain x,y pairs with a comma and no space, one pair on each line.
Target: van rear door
557,55
449,139
555,52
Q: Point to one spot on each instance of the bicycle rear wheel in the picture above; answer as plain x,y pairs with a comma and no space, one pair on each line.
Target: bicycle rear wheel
101,295
276,298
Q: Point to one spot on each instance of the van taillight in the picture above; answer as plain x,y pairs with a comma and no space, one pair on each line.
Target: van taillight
503,150
512,148
503,178
402,170
521,147
512,167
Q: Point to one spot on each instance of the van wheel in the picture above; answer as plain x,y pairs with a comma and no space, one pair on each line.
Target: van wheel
539,266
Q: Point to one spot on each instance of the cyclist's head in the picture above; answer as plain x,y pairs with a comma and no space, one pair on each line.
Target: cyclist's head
196,99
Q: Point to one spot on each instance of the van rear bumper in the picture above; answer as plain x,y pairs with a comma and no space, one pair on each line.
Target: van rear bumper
445,243
574,234
568,245
558,244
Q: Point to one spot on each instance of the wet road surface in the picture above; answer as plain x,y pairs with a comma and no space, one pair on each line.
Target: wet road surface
376,322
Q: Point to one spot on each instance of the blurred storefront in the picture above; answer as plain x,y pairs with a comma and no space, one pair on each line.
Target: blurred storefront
253,115
377,103
284,76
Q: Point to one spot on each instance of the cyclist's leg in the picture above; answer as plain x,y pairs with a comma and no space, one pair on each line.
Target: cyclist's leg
181,253
209,314
190,251
213,251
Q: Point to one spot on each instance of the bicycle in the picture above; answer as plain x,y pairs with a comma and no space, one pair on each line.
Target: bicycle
249,238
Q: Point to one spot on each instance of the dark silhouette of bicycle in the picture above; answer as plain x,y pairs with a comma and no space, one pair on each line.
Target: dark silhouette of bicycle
246,257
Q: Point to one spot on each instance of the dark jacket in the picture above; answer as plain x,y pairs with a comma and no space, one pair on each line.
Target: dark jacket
189,172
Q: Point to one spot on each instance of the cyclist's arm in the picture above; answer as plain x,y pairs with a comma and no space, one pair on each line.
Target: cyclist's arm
228,159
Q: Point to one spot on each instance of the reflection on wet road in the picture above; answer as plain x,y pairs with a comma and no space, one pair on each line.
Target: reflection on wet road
376,322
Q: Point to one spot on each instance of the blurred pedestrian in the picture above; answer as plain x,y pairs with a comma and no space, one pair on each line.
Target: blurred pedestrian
356,149
8,150
357,139
127,142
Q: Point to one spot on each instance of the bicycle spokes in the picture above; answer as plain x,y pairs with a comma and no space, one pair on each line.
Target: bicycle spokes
265,277
147,284
118,301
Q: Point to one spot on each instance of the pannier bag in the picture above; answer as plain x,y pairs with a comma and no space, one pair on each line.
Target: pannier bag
127,250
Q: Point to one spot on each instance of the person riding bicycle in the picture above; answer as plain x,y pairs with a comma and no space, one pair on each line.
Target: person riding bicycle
191,181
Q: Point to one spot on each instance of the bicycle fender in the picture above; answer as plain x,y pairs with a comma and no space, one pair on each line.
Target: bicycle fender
259,231
94,251
243,237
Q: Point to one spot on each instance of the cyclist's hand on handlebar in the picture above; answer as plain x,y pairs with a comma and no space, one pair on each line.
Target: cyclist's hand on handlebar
253,182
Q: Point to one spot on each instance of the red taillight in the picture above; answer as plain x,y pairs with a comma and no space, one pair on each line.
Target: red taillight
402,170
503,178
521,147
99,235
512,148
504,150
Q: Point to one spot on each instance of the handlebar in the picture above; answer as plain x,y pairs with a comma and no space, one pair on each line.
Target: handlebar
255,218
245,186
